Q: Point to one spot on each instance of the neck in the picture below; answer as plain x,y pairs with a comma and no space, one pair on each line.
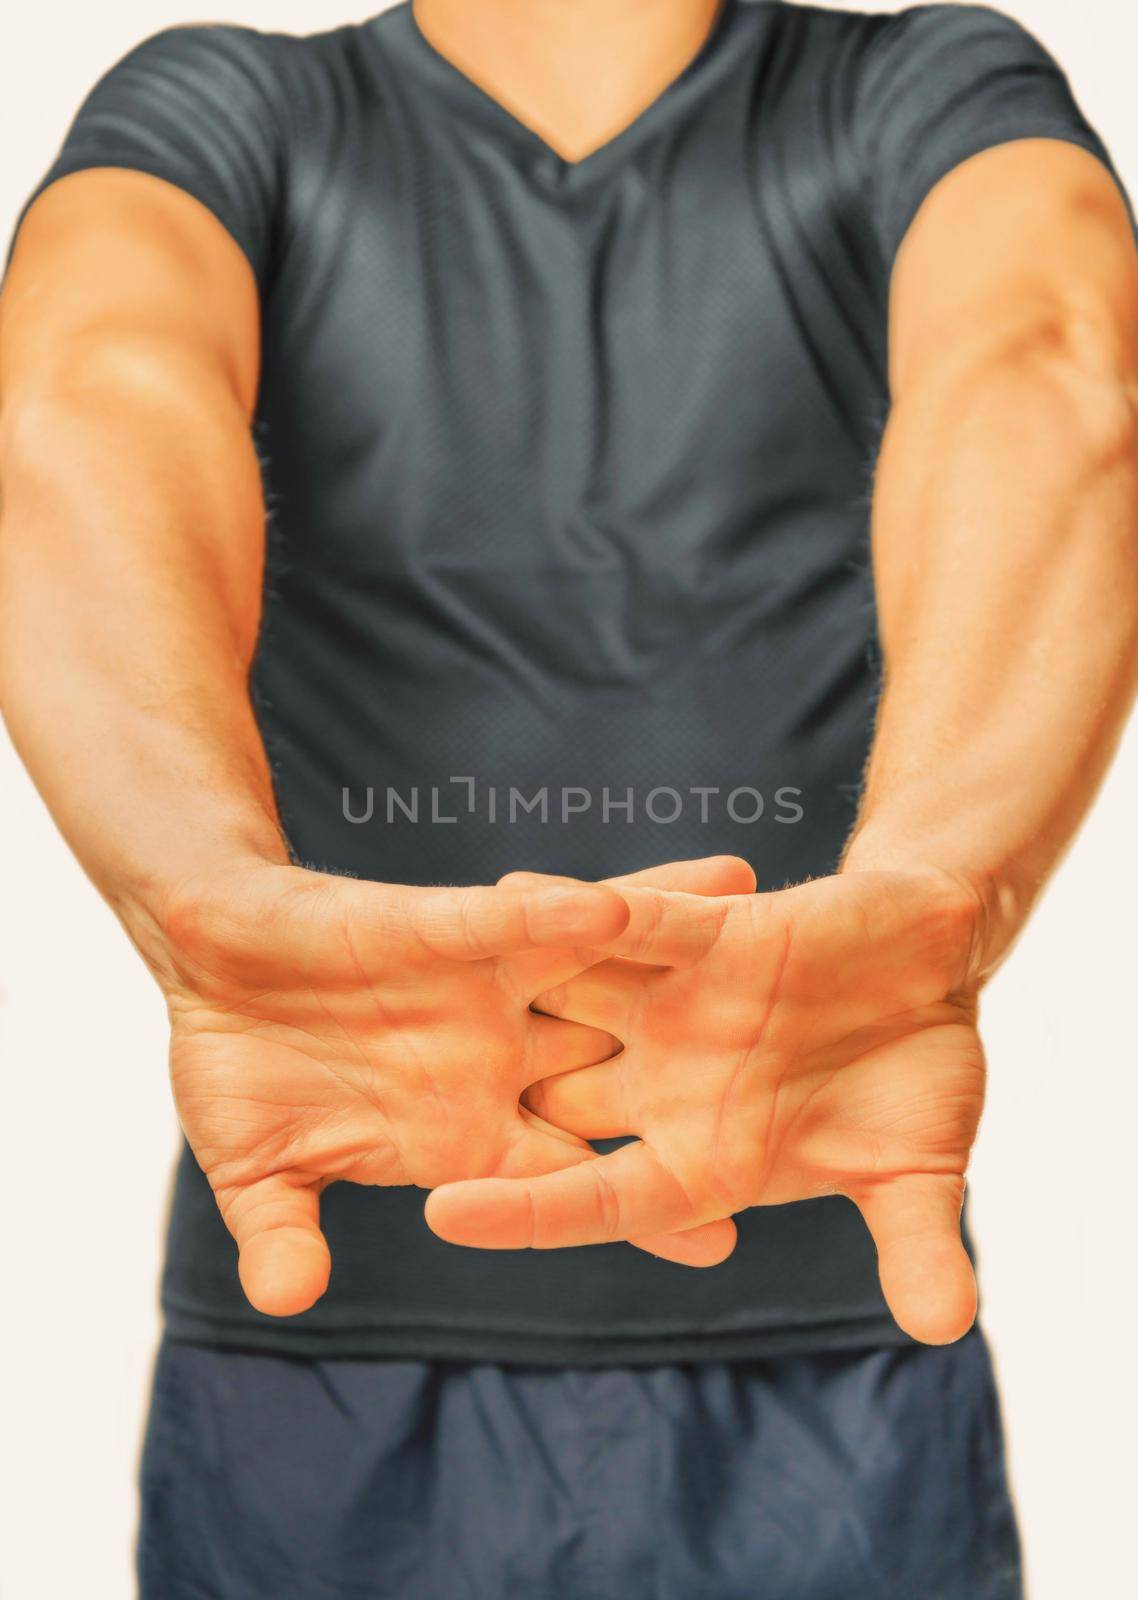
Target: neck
575,71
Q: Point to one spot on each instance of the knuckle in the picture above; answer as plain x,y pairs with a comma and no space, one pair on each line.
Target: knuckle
607,1202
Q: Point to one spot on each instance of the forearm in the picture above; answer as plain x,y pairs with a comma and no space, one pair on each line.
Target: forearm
1005,538
129,588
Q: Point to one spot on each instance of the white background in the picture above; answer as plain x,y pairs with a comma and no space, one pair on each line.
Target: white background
88,1131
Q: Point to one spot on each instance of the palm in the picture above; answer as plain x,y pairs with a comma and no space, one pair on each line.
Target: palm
309,1078
902,1098
826,1046
818,1043
324,1029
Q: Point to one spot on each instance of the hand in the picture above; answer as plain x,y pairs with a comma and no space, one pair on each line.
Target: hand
814,1041
325,1028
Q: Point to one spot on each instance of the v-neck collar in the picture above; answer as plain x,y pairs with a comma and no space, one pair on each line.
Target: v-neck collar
399,28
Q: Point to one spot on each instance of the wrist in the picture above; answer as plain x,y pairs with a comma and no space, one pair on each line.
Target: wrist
165,906
985,903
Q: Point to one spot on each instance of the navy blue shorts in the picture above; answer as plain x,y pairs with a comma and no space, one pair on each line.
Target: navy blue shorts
874,1475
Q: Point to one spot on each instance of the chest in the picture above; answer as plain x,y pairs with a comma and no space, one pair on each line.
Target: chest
478,353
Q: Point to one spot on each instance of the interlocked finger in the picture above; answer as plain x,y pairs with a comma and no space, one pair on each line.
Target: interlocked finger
610,996
591,1103
534,970
470,924
554,1047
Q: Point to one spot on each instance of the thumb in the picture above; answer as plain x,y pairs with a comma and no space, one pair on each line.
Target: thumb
926,1276
284,1263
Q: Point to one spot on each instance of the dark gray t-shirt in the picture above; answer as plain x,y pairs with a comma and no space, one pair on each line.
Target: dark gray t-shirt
568,468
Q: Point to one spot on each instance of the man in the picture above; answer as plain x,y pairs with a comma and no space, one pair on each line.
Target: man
559,340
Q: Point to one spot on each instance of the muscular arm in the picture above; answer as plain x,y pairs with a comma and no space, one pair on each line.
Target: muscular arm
823,1038
132,535
1005,526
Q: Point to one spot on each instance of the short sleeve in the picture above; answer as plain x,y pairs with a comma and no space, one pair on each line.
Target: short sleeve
203,108
941,83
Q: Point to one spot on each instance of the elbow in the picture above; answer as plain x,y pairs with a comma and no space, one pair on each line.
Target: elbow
1102,408
1053,369
1082,374
1052,391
